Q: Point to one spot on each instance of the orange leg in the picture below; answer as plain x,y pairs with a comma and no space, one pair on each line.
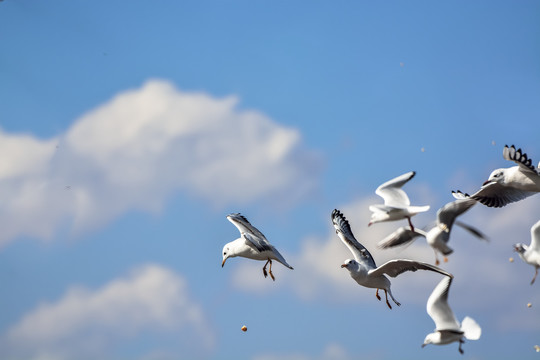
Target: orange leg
387,302
377,294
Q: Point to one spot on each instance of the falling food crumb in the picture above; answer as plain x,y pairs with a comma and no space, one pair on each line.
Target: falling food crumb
493,142
244,328
537,348
511,259
422,149
529,305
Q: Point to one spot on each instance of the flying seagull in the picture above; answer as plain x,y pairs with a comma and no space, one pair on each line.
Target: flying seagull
438,235
531,254
396,202
363,269
252,244
508,185
447,328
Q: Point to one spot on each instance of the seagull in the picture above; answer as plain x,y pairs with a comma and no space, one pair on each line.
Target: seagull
363,269
508,185
396,202
251,244
447,328
531,254
438,235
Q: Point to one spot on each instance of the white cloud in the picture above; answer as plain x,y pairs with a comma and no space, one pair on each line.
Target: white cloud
139,148
151,299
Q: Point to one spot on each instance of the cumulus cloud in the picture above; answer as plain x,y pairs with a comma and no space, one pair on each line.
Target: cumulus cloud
89,324
139,148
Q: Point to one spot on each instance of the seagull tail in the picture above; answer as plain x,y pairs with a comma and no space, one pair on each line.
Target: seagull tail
418,209
471,329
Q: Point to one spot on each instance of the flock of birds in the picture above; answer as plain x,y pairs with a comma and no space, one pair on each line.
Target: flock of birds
503,186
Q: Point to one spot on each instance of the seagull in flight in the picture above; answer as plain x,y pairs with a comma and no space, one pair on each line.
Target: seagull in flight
508,185
531,254
438,235
447,328
396,202
363,269
252,244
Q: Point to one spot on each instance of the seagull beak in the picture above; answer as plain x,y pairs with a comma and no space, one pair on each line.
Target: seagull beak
343,265
486,182
423,345
370,223
223,262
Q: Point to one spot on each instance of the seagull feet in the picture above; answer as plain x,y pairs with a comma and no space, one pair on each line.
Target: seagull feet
460,349
535,275
272,275
264,269
377,295
445,259
410,224
437,262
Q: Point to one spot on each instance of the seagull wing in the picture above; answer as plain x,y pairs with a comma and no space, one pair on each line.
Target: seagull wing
343,229
535,237
392,193
438,308
520,158
473,230
449,212
395,267
496,195
401,236
258,243
244,226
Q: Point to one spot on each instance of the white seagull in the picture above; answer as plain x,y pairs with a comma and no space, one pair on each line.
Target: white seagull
531,254
447,328
363,269
512,184
438,235
251,244
396,202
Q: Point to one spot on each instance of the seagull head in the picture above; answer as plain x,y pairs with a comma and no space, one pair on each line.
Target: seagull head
349,264
433,338
520,248
226,254
496,176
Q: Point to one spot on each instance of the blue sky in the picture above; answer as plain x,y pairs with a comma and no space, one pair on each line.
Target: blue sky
129,130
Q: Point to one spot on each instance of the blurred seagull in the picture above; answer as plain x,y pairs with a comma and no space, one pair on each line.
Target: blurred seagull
363,269
447,328
438,235
251,244
512,184
396,202
531,254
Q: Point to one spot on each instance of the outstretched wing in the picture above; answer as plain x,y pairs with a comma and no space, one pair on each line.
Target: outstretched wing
403,235
392,193
473,230
448,213
244,226
535,237
395,267
520,158
258,243
343,229
494,194
438,308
